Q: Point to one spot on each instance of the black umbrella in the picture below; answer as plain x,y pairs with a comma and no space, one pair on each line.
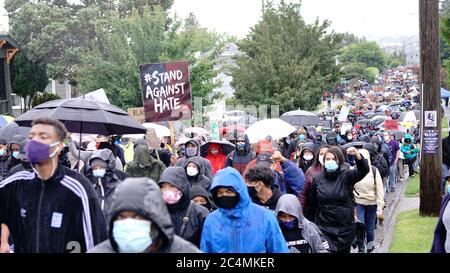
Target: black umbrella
300,118
364,121
12,129
226,147
356,144
82,115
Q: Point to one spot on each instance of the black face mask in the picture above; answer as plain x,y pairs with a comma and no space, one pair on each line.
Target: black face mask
227,202
252,191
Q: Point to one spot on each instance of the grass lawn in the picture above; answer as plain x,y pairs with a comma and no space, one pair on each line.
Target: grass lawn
413,233
444,124
413,187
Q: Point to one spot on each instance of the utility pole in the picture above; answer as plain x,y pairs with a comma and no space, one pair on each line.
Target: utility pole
430,83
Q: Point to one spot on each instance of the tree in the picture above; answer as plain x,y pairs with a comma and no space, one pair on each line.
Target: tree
142,38
44,97
354,70
286,62
365,52
27,78
58,33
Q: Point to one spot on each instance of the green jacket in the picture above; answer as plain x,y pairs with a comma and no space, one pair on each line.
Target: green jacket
144,165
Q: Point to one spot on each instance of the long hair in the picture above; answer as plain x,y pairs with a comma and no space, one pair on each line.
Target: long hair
338,154
316,162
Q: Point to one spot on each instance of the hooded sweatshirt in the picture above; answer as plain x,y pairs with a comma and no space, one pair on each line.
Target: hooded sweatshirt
196,214
207,168
217,161
144,165
239,159
369,191
409,147
143,196
246,228
197,190
306,232
105,186
200,179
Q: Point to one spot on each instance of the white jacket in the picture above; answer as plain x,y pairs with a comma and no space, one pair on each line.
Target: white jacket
369,191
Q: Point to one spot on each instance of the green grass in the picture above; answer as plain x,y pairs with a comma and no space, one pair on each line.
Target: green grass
444,124
413,187
413,233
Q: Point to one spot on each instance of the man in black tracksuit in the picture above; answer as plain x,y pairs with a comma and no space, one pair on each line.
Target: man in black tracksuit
52,209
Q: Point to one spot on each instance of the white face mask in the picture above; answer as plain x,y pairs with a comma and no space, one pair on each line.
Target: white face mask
132,235
308,157
192,171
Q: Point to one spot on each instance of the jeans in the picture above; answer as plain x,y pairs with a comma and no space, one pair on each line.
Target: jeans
393,176
410,163
400,169
367,215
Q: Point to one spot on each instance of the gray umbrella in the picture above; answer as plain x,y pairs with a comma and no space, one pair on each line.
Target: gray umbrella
356,144
83,115
12,129
300,118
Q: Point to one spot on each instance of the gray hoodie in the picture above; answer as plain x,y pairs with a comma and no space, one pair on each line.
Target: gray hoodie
288,203
143,196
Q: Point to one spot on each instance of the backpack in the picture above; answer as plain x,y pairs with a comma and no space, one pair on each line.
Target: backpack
241,166
382,166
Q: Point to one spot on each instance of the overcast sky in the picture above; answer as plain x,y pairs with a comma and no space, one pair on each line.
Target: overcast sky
374,19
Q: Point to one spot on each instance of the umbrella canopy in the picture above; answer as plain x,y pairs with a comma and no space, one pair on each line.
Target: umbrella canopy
231,128
4,119
226,146
300,118
379,118
196,130
410,116
398,134
181,141
12,129
356,144
364,121
85,116
276,128
382,108
161,131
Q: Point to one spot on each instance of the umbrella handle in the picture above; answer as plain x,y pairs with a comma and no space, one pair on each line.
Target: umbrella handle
79,149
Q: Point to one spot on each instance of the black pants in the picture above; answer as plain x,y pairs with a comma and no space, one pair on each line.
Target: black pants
410,163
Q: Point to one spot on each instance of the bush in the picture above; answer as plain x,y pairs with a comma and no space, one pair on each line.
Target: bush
44,97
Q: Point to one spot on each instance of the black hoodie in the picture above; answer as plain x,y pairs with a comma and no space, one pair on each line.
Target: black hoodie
200,179
239,159
197,190
207,168
143,196
184,208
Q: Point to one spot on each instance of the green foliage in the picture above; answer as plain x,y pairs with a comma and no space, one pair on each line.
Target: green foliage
44,97
27,78
286,62
143,38
372,73
58,33
365,52
354,70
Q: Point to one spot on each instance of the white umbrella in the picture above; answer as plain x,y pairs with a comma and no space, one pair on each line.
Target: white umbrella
196,130
161,131
410,117
276,128
135,136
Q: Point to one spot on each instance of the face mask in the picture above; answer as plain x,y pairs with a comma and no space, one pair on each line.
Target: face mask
308,157
192,171
132,235
15,155
2,152
321,157
252,191
288,141
99,173
227,202
349,137
191,151
240,146
331,165
37,151
301,137
171,197
290,224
